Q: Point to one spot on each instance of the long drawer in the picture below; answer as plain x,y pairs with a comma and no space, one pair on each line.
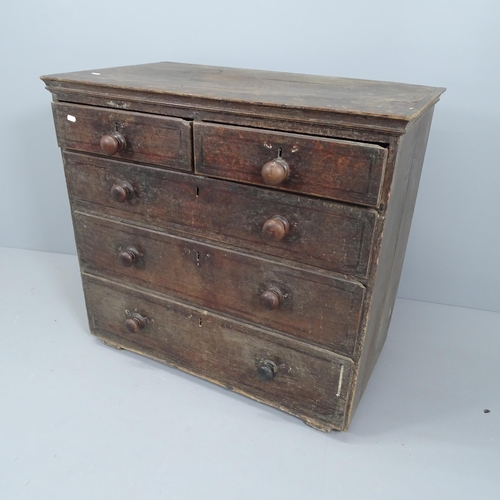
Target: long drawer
331,168
321,233
145,138
311,306
300,379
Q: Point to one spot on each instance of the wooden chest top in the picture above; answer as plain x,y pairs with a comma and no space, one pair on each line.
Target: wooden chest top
392,104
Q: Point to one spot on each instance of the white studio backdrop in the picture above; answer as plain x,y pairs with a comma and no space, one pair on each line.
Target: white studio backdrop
453,247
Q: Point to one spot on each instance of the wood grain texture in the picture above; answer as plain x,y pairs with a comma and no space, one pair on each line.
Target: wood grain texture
276,282
332,94
149,139
378,130
329,168
310,382
409,162
315,308
328,235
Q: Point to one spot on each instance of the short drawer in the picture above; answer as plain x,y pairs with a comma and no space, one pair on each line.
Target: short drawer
311,306
324,234
329,168
303,380
135,136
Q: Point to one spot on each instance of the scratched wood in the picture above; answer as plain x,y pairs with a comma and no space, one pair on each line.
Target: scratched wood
230,87
328,235
310,383
278,283
410,160
315,307
149,139
339,170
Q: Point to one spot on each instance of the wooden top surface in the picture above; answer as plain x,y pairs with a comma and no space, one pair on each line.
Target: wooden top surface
284,90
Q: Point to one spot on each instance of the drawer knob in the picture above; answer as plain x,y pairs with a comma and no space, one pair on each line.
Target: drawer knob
276,228
275,172
112,143
135,323
271,298
267,370
122,191
129,256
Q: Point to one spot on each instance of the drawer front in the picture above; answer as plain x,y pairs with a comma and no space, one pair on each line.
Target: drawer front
147,138
310,306
308,382
329,168
324,234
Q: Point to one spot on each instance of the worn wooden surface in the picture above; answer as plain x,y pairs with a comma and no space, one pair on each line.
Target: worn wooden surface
409,162
311,383
340,170
283,296
315,307
324,234
149,139
331,94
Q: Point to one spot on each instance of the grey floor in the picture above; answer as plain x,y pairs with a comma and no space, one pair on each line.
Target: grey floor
80,420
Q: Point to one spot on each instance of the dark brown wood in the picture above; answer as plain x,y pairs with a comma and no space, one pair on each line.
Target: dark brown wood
241,269
380,130
276,228
267,370
121,191
230,88
129,256
409,162
328,235
146,138
112,143
310,382
271,298
275,172
135,323
307,305
340,170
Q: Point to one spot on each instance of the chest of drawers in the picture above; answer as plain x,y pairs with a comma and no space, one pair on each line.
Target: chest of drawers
247,227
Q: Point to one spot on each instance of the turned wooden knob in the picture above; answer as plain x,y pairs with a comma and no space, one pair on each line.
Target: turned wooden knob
267,370
135,323
271,298
129,256
112,143
275,172
276,228
122,191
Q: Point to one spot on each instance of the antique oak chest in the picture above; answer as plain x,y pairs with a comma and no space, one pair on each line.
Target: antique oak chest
248,227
